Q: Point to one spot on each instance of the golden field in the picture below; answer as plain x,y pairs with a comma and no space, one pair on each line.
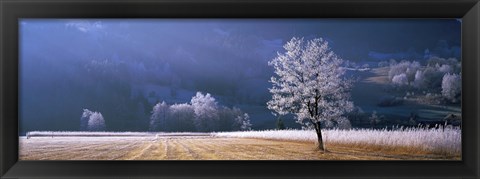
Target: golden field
206,148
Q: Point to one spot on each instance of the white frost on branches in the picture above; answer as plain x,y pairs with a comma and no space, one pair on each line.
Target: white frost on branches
309,82
404,67
159,116
243,121
400,79
429,77
418,82
92,121
206,114
201,114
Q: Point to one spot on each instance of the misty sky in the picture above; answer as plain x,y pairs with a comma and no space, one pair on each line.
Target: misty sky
121,67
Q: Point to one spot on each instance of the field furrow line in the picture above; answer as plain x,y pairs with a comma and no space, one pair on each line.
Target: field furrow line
203,149
212,148
227,149
188,149
154,153
178,151
168,150
142,152
124,150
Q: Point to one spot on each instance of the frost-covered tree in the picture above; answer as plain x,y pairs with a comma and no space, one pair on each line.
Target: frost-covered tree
158,120
239,120
451,86
243,122
404,67
96,122
400,79
181,117
403,73
205,108
419,80
227,117
309,83
232,119
432,77
84,119
92,121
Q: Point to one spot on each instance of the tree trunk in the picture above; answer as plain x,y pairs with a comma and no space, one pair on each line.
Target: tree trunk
320,146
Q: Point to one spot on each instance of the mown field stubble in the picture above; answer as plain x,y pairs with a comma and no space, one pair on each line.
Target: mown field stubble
202,148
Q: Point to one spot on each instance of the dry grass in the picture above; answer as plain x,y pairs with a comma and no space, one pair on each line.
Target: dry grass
201,148
408,153
405,140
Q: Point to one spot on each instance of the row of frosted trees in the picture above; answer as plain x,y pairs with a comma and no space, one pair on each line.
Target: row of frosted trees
439,75
202,114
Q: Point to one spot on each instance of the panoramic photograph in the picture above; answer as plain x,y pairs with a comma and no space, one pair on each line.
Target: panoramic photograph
240,89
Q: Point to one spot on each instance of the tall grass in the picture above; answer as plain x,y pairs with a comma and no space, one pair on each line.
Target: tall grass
440,141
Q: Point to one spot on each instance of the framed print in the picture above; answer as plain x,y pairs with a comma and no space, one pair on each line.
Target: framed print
278,89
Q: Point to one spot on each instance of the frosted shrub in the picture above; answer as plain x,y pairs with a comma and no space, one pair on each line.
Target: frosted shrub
404,72
400,79
406,67
397,69
451,87
243,121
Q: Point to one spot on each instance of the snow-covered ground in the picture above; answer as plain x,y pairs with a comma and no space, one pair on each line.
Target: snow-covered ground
448,140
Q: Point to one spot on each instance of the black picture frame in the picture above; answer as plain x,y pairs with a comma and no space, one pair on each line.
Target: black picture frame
12,10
